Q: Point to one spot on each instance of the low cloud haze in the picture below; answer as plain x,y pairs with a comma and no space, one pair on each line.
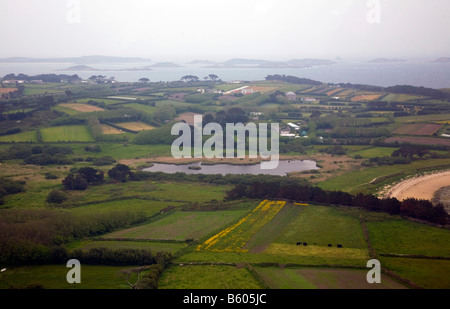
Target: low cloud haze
183,30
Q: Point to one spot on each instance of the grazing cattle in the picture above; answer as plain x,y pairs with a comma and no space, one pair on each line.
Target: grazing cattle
330,245
305,244
299,243
339,246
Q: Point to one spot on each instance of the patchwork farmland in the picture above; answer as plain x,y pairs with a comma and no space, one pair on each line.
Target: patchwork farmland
73,184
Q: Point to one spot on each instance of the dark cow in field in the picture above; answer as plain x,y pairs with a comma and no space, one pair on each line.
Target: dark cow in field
299,243
330,245
305,244
339,246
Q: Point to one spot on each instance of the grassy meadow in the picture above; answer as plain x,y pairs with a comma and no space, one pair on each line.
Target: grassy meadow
70,133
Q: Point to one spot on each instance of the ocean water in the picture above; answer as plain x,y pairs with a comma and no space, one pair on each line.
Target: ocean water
416,73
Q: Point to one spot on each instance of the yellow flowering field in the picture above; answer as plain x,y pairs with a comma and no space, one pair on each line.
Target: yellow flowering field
233,238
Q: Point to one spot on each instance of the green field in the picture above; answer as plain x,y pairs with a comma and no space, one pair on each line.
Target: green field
149,207
21,137
375,152
400,97
40,89
71,133
405,237
180,225
104,100
190,192
54,277
129,244
141,193
429,274
141,107
321,278
208,277
68,111
321,226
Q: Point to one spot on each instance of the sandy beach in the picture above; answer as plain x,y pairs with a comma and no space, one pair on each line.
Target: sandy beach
422,187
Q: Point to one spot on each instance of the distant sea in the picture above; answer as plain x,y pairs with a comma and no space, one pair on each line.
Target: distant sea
415,73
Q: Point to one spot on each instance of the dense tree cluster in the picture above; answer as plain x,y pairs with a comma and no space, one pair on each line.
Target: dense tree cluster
29,236
119,257
81,178
407,151
38,155
120,172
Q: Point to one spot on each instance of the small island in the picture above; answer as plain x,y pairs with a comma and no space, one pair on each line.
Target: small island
80,67
166,65
384,60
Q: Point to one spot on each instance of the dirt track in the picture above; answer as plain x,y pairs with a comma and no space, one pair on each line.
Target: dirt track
422,187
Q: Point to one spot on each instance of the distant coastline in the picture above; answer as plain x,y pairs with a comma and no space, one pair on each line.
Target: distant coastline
82,68
383,60
76,60
443,59
423,72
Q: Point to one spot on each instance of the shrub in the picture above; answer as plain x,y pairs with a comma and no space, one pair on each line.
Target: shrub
120,172
56,197
75,182
8,186
50,176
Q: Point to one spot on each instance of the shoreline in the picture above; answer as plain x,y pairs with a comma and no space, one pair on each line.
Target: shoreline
421,187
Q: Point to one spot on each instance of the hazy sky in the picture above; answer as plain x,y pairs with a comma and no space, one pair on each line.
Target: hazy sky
183,30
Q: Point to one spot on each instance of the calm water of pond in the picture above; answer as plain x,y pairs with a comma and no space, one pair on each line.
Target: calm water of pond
284,167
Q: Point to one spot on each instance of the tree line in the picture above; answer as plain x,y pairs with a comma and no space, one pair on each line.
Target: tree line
46,78
419,209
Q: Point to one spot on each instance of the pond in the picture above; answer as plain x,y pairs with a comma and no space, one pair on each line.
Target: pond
284,167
